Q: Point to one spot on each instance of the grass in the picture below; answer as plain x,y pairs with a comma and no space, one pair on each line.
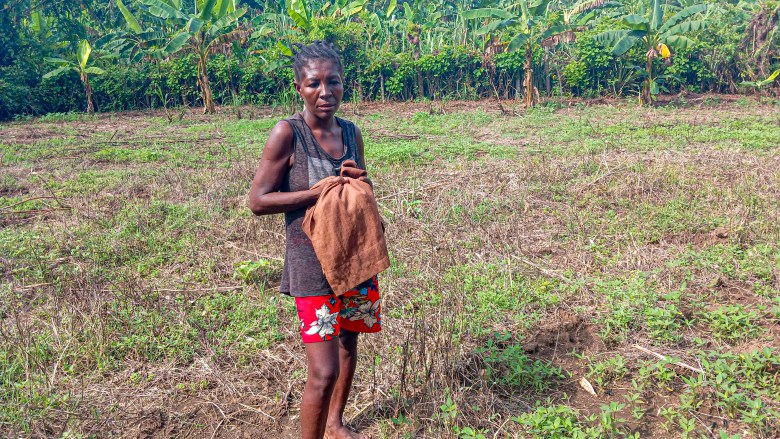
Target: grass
139,295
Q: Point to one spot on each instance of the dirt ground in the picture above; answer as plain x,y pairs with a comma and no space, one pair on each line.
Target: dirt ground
562,225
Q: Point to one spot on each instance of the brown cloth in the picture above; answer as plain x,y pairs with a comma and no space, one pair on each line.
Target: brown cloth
346,230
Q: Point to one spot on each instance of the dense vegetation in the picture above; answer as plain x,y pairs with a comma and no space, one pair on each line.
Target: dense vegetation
154,53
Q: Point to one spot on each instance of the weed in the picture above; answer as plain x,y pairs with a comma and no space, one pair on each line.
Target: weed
733,322
605,372
256,272
508,365
664,324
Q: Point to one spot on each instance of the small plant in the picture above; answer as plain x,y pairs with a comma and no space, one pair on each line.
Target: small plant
608,420
635,401
607,371
80,67
253,272
470,433
555,422
733,323
663,324
507,364
448,410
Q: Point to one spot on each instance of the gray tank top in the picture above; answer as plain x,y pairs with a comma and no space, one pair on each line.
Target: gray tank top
302,275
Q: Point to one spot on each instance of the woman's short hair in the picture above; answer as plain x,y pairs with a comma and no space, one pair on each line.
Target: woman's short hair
304,53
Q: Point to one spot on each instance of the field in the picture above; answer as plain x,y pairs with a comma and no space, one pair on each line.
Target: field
140,298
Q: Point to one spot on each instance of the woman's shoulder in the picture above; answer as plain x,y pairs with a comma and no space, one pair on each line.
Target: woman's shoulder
345,122
351,126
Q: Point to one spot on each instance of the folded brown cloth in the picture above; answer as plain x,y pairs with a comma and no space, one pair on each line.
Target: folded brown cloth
346,230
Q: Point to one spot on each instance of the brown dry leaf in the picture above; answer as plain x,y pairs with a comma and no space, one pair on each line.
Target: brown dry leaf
585,384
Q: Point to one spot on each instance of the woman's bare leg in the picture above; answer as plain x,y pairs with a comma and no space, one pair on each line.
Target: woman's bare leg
323,364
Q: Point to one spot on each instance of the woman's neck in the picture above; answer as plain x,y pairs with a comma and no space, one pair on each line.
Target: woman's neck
315,122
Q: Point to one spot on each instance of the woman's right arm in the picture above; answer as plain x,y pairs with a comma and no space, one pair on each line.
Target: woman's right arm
264,196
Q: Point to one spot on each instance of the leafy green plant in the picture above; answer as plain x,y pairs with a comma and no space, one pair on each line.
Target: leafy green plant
733,322
469,433
605,372
656,34
508,365
253,272
210,26
554,422
763,83
534,26
664,324
80,67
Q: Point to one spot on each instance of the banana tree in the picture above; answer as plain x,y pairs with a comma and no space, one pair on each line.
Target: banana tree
80,67
656,35
533,25
202,28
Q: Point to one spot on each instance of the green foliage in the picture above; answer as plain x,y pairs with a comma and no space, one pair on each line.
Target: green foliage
562,422
508,365
555,422
605,372
733,322
256,272
423,50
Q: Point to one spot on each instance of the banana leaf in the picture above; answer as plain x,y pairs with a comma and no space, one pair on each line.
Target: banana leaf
132,23
488,13
682,15
176,43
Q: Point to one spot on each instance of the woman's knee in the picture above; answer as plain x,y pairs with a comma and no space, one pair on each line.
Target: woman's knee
323,375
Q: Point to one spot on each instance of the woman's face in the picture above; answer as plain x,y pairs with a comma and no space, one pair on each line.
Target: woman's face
321,88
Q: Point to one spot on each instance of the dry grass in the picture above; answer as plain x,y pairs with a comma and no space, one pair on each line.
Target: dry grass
528,252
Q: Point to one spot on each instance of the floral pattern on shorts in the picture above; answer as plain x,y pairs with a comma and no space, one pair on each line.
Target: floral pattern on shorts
357,310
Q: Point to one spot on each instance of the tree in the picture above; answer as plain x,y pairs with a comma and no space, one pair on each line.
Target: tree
80,66
656,36
174,26
534,26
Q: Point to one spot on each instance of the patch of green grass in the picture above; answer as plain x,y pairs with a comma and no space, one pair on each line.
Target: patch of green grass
95,180
125,155
747,133
746,263
150,334
626,301
237,326
495,292
30,254
66,117
562,422
664,323
143,238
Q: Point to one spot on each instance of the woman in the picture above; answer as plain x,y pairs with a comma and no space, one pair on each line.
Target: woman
300,151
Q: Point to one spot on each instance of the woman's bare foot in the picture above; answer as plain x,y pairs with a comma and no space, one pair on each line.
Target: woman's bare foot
342,432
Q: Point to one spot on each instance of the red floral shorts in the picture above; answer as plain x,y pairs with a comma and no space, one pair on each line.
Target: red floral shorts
322,317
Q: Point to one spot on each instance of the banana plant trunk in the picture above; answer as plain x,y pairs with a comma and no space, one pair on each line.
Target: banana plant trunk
205,88
420,84
547,85
88,91
646,98
530,99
